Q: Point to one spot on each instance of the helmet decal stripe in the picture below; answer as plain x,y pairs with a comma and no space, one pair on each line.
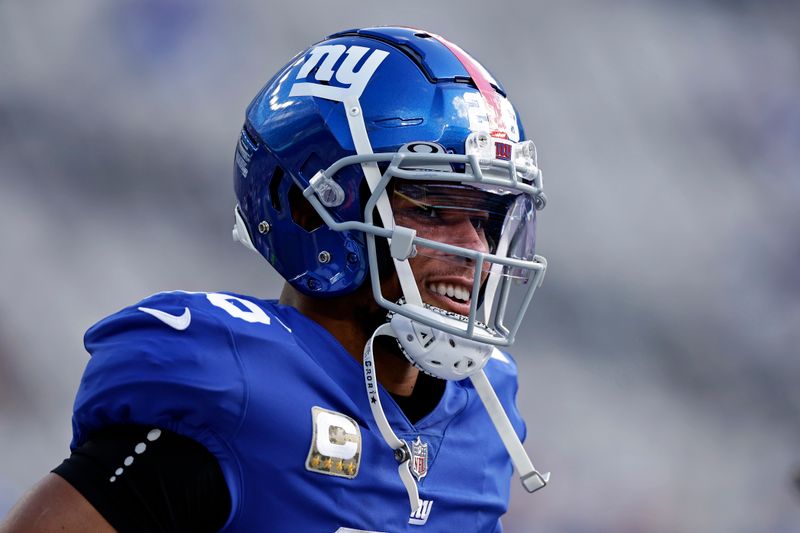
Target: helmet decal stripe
483,80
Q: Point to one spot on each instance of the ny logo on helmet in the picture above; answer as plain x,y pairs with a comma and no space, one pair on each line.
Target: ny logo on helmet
325,76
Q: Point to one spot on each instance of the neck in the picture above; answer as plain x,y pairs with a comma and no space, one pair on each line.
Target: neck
352,320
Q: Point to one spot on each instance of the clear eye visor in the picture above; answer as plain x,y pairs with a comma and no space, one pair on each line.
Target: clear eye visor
486,220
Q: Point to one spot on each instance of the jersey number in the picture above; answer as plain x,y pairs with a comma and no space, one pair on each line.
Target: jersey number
251,312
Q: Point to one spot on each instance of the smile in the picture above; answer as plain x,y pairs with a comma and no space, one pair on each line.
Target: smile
457,292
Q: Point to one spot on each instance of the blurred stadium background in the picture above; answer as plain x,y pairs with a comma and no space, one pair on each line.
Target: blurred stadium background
661,361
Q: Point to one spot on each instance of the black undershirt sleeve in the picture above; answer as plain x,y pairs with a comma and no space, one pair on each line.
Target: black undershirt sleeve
143,479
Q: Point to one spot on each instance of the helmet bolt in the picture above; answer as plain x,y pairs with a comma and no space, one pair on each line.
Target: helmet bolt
324,256
312,284
352,258
354,111
263,227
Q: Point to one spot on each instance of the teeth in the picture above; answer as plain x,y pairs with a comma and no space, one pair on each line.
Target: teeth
453,291
461,294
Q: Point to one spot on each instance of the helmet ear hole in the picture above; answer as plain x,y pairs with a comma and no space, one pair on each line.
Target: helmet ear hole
303,213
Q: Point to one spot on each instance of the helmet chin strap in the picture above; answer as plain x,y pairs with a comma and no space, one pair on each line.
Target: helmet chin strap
531,479
402,453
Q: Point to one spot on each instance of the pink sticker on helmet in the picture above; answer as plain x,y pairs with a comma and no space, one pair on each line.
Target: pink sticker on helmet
483,81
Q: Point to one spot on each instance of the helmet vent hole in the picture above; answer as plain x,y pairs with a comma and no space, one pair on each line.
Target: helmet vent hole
452,343
274,188
303,213
460,364
435,363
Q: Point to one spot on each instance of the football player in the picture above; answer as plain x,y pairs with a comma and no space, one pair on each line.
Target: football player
385,175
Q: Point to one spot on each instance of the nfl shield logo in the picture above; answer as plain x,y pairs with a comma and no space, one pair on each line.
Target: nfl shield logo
419,459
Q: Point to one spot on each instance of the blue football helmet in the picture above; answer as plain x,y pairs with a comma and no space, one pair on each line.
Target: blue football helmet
377,127
372,107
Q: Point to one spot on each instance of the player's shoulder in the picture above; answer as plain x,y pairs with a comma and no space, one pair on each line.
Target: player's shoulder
501,370
501,366
184,316
172,360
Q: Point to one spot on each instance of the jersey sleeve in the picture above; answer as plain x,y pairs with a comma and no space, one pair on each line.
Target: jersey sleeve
151,366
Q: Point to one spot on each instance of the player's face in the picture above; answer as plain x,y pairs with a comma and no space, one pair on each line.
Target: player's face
450,214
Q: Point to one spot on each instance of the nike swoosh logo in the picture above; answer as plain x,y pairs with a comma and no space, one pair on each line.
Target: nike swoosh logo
179,322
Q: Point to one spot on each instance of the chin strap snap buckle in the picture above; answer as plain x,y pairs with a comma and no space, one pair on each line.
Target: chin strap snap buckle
534,481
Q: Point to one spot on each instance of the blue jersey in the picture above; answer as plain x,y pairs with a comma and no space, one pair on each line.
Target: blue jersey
283,407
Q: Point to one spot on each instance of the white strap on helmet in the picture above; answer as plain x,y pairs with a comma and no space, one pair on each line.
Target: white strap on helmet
531,479
358,131
402,453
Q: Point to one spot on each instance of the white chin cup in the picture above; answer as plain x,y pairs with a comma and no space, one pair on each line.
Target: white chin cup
440,354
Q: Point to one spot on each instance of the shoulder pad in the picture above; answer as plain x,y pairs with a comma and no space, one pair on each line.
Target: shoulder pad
171,361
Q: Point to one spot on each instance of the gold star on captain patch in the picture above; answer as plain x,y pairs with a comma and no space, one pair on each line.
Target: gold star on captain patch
327,463
339,465
315,461
351,468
